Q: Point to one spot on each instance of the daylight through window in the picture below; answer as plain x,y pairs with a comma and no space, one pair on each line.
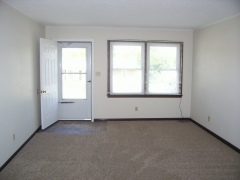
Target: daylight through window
144,69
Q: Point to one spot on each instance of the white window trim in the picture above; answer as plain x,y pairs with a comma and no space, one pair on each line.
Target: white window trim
178,67
142,66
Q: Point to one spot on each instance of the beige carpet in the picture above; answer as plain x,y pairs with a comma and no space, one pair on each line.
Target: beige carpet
139,150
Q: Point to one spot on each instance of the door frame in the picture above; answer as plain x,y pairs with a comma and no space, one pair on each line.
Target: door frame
92,68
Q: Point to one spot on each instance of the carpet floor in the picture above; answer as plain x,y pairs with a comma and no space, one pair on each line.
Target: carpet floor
125,150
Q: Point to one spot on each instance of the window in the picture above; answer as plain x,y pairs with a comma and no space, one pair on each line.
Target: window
144,69
73,73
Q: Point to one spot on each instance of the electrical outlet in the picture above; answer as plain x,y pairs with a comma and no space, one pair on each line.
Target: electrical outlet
136,108
13,137
208,118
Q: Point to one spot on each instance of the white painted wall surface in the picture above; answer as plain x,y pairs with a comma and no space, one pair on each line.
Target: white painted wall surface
19,69
216,79
105,107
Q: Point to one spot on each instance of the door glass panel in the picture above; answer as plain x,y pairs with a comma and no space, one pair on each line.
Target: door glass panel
74,60
74,86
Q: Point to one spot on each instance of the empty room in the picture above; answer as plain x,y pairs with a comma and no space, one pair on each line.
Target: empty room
127,89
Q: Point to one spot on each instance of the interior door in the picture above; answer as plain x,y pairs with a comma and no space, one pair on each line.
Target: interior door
74,80
48,82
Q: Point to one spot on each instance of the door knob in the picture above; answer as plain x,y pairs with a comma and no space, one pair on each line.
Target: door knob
89,81
40,91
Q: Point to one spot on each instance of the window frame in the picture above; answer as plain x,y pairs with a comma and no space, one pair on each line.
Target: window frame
145,79
142,69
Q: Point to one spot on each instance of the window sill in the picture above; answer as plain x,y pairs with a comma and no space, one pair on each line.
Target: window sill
144,96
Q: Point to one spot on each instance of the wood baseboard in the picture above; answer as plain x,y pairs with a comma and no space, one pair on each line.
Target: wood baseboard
6,163
134,119
141,119
179,119
216,136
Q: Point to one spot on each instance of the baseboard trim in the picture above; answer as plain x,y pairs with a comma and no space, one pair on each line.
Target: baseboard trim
179,119
141,119
6,163
216,136
133,119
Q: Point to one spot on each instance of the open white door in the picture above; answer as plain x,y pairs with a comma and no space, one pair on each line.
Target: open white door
48,82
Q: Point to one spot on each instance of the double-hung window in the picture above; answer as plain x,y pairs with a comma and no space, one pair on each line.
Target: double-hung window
144,69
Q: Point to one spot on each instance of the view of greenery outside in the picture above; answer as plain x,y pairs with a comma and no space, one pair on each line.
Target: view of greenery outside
163,57
163,76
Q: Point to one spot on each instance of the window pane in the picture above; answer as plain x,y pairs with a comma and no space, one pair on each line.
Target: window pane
74,86
74,60
163,82
127,81
127,57
163,57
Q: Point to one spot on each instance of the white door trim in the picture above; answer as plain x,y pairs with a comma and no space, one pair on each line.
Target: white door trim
92,67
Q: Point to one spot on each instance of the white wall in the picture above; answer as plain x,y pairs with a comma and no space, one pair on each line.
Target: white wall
124,107
19,69
216,79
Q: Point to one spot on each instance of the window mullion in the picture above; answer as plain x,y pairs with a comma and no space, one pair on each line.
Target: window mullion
145,69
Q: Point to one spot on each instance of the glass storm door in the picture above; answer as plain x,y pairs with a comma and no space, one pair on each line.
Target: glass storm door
74,81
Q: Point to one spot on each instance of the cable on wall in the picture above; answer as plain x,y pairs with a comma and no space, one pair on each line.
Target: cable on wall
180,103
180,107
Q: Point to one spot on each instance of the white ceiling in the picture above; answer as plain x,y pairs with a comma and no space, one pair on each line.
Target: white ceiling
170,14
